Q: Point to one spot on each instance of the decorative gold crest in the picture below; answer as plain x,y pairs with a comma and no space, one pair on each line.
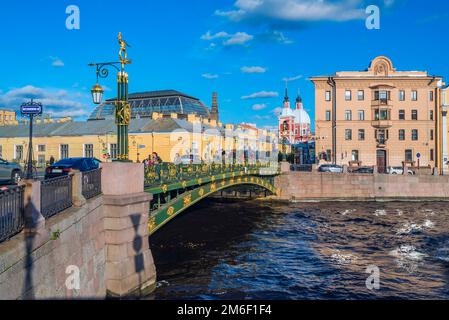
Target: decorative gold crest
201,192
171,211
187,200
164,188
213,187
152,224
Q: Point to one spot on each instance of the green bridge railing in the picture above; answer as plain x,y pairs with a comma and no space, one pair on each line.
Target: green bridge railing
168,176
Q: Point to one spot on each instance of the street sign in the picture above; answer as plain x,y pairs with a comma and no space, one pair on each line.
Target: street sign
31,109
142,147
418,155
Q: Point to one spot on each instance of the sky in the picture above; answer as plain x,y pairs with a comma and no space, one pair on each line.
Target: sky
243,49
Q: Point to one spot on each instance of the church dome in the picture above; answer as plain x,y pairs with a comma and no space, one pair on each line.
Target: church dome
301,116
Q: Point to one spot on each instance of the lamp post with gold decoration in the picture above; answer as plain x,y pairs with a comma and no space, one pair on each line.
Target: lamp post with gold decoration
122,106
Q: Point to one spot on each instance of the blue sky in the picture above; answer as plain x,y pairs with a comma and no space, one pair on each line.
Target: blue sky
240,48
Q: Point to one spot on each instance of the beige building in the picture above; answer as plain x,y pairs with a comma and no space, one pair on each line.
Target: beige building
445,128
7,117
378,117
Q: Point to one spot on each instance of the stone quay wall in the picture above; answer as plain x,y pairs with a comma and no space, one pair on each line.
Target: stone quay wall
96,249
346,186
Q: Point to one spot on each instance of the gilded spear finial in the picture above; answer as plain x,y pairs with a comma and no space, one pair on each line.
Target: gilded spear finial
122,53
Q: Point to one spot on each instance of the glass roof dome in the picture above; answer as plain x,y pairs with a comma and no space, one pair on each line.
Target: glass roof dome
145,103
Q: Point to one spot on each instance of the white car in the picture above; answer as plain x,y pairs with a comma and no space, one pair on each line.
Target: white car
399,171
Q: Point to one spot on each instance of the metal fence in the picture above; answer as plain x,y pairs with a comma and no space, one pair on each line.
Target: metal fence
56,196
12,218
91,183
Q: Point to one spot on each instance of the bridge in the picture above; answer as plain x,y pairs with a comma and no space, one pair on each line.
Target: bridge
175,188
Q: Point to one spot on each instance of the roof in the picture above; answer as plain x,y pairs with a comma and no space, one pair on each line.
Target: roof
99,127
156,94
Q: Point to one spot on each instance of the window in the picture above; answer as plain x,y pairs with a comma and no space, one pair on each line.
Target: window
348,134
401,114
401,135
401,95
328,115
361,95
348,115
414,95
361,134
355,155
113,150
328,155
430,95
361,115
414,114
348,95
328,96
431,135
382,96
64,151
88,150
415,135
431,115
19,153
41,161
432,155
381,136
409,155
41,148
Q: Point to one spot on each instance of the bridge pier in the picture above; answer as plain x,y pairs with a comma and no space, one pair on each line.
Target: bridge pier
130,269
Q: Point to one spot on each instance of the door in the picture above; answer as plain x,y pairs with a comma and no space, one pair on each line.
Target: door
382,161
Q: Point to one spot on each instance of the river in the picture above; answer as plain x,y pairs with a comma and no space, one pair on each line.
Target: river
224,249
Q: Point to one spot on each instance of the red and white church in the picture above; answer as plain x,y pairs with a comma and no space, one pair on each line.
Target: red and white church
294,124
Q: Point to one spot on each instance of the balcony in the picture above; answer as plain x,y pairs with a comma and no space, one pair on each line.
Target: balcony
382,124
377,103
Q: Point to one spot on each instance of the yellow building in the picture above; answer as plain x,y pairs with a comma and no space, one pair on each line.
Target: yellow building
7,117
445,129
168,136
378,117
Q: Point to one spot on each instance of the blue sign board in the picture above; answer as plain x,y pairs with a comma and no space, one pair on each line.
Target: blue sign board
32,109
418,155
142,147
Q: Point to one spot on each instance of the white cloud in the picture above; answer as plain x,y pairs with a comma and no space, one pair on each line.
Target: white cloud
253,69
294,78
209,36
279,36
295,10
56,102
258,107
261,94
277,111
210,76
56,62
238,38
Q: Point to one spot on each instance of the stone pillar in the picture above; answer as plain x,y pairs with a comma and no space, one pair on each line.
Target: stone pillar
130,269
285,167
34,221
405,170
77,189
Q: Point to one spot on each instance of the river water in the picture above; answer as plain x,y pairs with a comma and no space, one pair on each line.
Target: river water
271,250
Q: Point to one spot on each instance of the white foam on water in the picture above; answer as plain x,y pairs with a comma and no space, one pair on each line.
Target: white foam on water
429,224
410,227
380,212
341,258
408,252
348,211
400,212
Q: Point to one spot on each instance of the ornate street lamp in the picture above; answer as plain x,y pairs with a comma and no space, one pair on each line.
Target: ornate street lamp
284,141
122,107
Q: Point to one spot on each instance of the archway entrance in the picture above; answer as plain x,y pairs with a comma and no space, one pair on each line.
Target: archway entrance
382,161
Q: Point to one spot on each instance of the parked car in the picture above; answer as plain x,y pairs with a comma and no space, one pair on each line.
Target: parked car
65,166
10,172
364,170
399,171
330,168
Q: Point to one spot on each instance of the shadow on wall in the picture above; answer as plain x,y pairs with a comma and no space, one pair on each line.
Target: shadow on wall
139,262
30,235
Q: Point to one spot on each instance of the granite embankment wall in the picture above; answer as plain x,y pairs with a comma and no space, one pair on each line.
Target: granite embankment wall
98,248
334,186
